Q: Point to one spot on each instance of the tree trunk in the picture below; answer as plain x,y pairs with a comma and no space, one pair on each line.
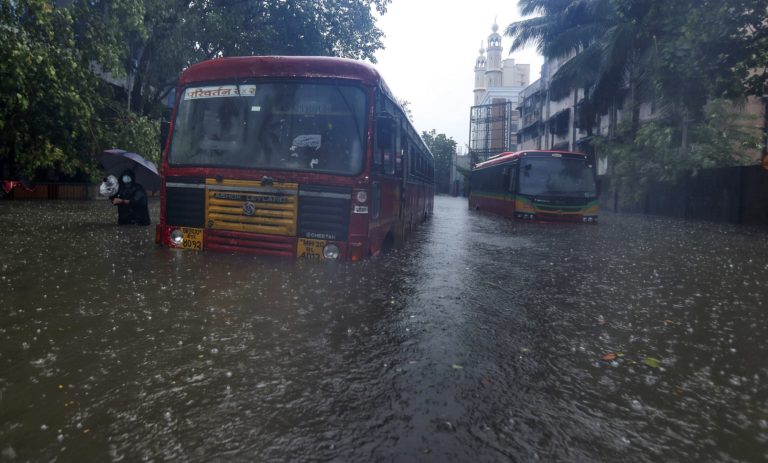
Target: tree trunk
587,117
635,105
128,90
139,83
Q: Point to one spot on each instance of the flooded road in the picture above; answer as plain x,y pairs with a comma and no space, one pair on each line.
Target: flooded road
481,339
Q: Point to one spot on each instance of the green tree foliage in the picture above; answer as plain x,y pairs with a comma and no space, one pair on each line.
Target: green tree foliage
683,56
683,52
610,42
705,50
136,133
443,149
748,45
46,95
406,105
722,138
156,39
56,113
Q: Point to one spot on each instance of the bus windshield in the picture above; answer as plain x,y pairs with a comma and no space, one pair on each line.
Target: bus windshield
557,176
275,125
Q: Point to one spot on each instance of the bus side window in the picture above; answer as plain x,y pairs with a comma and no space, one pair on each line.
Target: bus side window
402,148
412,159
391,151
386,134
380,133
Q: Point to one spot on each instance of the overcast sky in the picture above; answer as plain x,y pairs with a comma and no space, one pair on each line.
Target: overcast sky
429,59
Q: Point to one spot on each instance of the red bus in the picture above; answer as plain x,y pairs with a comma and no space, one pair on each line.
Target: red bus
291,156
548,186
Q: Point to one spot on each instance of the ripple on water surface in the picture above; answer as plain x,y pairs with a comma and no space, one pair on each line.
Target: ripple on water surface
480,339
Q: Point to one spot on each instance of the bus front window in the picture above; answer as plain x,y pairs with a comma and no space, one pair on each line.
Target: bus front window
284,126
557,176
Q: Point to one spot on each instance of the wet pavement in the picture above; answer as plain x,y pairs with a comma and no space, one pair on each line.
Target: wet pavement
481,339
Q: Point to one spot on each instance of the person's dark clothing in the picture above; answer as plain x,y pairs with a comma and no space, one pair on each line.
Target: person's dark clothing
136,212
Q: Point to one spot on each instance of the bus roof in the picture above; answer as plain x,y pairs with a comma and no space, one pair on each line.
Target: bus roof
508,156
243,67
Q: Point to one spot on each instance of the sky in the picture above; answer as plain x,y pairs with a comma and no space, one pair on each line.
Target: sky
430,52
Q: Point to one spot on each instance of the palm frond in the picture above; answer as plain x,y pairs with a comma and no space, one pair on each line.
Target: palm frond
578,72
543,7
527,32
572,40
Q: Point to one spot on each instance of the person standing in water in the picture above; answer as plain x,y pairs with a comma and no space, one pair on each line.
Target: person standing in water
131,201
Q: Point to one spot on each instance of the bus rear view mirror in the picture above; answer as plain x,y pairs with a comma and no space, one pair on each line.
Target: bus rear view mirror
165,128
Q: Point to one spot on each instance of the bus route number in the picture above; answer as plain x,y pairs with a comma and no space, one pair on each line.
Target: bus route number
192,238
310,248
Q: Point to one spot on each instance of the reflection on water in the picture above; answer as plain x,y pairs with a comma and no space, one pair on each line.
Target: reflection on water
480,339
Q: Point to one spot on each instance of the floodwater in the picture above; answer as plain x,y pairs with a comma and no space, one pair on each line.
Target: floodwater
481,339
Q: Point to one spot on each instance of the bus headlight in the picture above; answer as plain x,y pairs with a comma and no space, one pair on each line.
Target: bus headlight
331,251
362,197
177,237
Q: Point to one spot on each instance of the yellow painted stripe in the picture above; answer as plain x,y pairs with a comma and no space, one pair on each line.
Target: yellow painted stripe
239,204
252,184
231,218
266,230
238,210
268,218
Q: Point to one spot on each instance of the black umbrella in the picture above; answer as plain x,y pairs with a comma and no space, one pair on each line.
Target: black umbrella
115,161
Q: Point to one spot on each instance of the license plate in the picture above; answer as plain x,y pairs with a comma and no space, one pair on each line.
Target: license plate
192,238
310,248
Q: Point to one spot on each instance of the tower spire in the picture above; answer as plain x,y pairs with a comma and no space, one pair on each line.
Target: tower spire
480,67
493,67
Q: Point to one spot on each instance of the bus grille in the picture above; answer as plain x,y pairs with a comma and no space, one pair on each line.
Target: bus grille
324,212
269,245
246,206
185,202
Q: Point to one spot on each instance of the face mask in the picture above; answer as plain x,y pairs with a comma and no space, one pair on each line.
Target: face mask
126,179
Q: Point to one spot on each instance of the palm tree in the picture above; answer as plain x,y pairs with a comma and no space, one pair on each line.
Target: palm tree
609,44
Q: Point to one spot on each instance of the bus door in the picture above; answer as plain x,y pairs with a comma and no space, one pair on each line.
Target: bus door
402,170
510,185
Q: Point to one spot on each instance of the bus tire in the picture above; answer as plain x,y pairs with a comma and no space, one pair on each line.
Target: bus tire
388,244
400,232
